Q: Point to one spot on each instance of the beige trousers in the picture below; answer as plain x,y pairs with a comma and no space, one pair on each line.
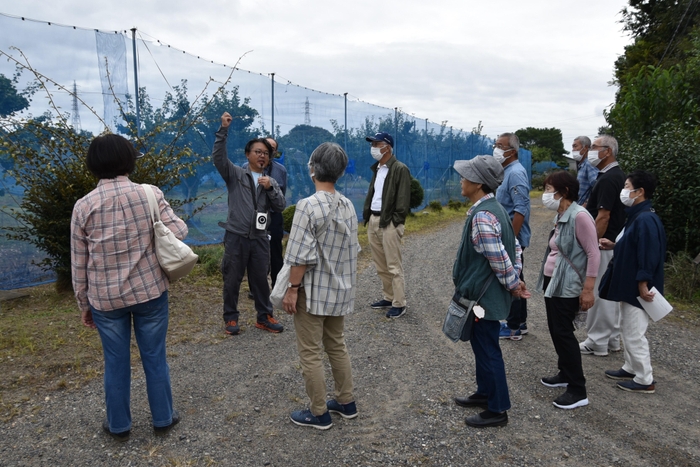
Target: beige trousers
385,245
314,335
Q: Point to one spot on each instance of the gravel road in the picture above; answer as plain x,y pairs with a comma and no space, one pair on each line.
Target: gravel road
235,394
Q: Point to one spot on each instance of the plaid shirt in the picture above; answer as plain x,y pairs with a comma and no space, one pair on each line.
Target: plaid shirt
587,175
113,257
330,280
486,238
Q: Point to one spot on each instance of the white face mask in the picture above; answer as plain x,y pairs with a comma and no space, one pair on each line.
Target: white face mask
593,158
498,154
376,153
576,155
549,202
625,197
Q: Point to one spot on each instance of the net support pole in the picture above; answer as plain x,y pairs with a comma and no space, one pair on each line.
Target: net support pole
396,126
136,84
346,122
273,106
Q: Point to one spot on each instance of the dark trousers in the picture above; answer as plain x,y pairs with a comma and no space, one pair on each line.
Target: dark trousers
243,254
490,368
276,235
560,319
518,308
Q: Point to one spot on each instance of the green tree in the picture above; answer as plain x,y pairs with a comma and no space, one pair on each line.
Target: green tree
546,144
10,100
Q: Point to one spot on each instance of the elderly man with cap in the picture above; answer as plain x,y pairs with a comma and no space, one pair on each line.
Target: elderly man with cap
386,207
488,248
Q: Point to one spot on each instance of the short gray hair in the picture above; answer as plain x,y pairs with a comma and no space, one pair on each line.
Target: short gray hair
328,162
584,140
513,140
609,141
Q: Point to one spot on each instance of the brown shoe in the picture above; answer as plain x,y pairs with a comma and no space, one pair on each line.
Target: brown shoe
270,324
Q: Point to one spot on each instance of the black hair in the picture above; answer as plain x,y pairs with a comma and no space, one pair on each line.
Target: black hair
110,156
642,179
264,141
564,183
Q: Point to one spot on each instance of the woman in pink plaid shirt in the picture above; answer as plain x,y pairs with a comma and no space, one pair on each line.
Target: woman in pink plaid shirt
117,278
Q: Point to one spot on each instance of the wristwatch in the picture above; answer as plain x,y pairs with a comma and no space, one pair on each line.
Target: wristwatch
293,286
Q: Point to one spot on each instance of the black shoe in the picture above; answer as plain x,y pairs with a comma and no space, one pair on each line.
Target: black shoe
381,304
486,419
232,328
121,437
161,430
618,374
395,312
554,381
570,401
475,400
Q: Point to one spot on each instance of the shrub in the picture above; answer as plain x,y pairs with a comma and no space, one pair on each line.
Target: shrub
538,181
673,154
210,257
288,216
682,278
417,194
455,205
435,206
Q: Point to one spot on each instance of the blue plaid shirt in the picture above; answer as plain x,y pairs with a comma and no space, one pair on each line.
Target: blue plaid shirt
587,175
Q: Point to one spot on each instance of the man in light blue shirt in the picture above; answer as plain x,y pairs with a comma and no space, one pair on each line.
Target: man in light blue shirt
514,196
587,174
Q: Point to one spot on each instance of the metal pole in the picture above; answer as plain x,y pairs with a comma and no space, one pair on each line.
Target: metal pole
136,85
346,122
273,106
396,127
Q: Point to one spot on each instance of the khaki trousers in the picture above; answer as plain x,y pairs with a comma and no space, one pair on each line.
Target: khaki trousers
385,245
314,335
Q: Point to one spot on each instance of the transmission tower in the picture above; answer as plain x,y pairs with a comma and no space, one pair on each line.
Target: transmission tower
307,112
75,116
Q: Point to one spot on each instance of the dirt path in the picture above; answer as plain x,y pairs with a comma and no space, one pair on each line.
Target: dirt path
235,394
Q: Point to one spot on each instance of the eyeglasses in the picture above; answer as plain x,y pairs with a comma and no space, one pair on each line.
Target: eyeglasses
260,152
595,146
500,146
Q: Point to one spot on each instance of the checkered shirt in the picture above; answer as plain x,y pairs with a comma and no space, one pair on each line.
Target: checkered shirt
113,257
330,279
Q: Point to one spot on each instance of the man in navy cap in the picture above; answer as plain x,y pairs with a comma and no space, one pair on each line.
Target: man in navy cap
386,207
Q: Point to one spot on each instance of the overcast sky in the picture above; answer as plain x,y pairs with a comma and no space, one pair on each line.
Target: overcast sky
507,63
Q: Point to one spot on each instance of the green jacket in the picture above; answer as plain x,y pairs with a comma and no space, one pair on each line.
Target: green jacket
396,196
471,270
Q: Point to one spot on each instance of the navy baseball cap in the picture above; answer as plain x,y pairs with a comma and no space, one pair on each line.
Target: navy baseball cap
384,137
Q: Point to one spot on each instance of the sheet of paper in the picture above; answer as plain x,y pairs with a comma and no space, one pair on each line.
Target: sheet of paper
658,308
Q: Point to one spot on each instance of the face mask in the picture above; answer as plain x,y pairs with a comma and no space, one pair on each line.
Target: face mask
625,197
498,155
593,158
376,153
549,202
576,155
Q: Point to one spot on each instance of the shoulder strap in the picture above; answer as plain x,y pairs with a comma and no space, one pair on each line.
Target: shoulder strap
152,203
485,287
331,213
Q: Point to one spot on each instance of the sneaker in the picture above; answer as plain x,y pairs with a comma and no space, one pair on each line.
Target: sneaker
570,401
161,430
554,381
618,374
585,350
523,328
271,325
232,328
508,333
121,437
348,410
631,386
381,304
395,312
306,418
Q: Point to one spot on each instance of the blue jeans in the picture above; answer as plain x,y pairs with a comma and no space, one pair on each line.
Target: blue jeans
150,327
490,368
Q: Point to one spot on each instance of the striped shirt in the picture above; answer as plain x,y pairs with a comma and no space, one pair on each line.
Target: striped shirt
486,238
330,277
113,257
